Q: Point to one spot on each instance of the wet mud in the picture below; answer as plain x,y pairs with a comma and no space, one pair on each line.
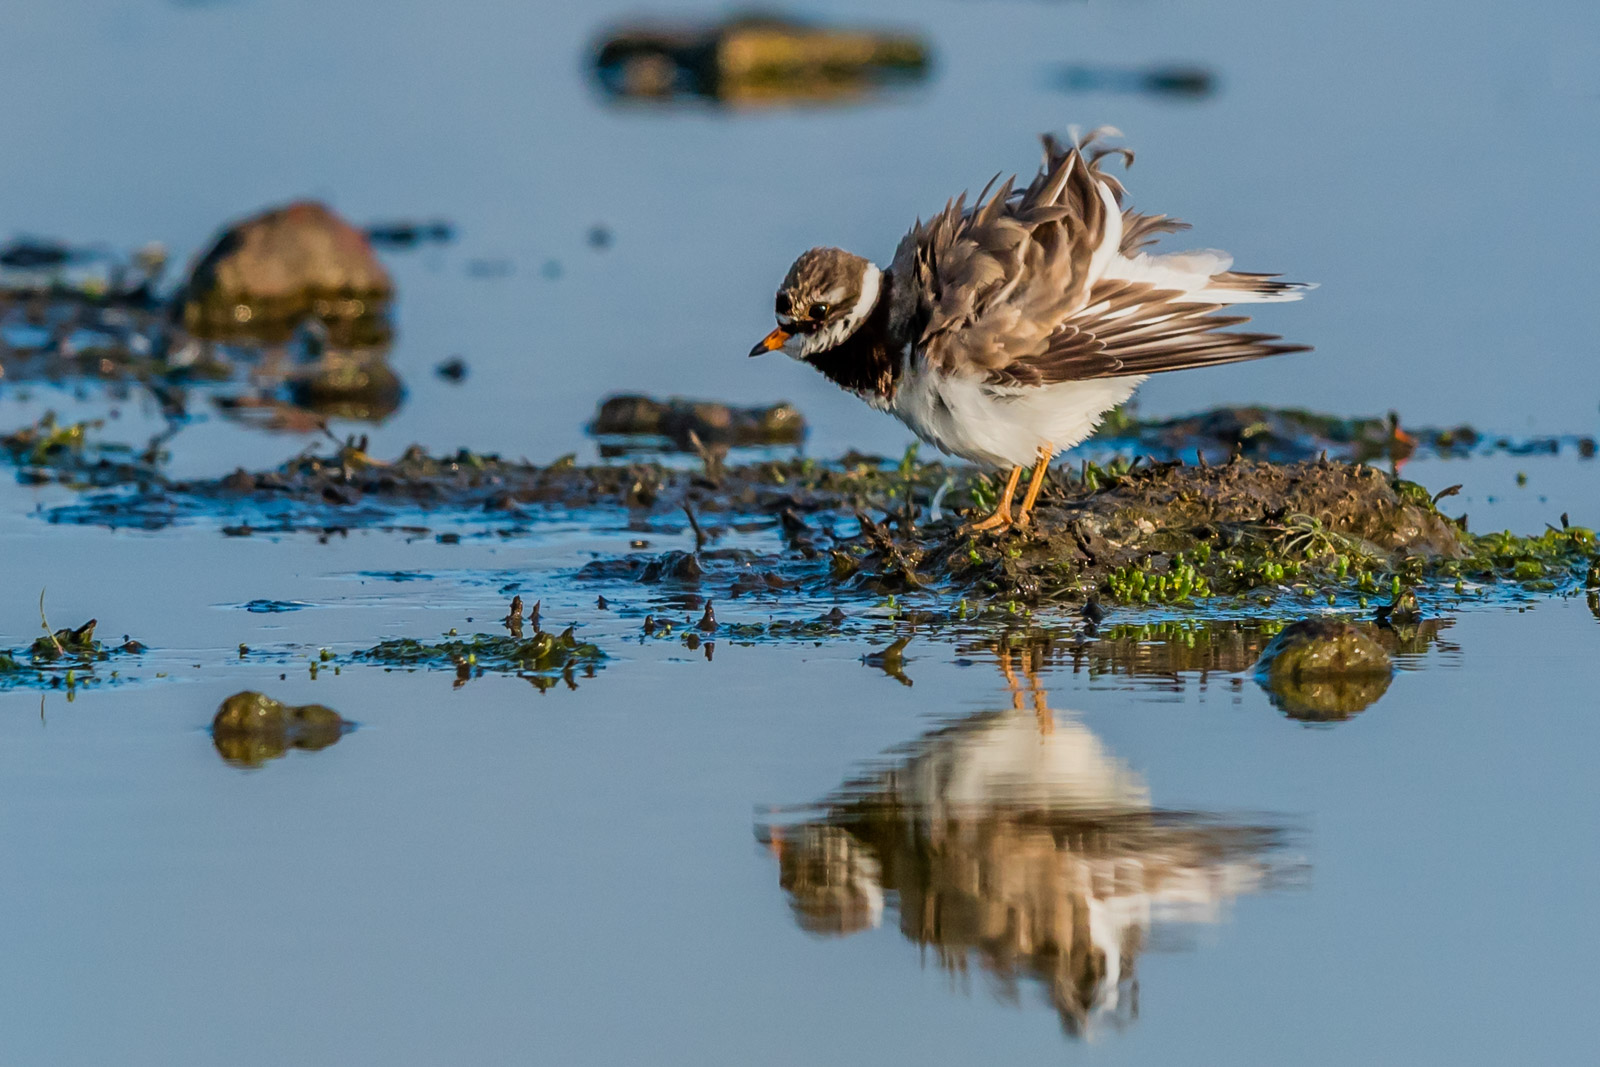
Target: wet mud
1167,534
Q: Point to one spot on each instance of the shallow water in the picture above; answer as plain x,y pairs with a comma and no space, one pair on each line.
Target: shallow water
772,851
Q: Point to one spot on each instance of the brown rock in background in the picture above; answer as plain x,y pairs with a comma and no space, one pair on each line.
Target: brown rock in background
272,270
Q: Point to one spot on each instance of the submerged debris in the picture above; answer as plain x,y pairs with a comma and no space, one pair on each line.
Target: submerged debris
251,728
1324,669
677,422
755,61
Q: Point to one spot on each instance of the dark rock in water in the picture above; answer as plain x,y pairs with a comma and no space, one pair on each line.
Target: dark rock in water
673,566
453,369
29,253
1172,81
405,235
251,728
269,272
1323,669
271,607
713,423
755,61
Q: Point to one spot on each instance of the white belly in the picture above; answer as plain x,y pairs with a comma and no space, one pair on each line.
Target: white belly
1002,426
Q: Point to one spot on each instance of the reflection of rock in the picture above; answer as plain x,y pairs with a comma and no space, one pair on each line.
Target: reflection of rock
1017,841
1324,669
267,273
715,424
756,61
349,384
251,728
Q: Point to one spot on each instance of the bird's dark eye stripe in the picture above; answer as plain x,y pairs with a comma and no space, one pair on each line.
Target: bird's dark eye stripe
818,311
784,305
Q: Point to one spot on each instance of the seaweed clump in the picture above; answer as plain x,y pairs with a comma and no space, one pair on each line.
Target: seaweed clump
543,658
61,658
54,451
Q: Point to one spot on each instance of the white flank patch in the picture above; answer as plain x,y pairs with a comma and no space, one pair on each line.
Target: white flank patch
997,426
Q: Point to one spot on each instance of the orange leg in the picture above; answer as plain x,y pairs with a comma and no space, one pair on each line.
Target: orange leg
1041,466
1002,514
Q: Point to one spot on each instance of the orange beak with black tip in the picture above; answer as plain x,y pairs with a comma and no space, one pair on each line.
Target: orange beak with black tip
772,342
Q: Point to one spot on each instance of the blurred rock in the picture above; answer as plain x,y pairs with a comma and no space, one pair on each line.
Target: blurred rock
1322,669
453,369
251,728
756,61
713,423
266,274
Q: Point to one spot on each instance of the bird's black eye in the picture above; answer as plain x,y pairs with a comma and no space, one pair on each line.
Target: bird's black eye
818,311
785,306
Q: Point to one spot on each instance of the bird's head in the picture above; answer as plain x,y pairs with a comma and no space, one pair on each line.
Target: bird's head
825,298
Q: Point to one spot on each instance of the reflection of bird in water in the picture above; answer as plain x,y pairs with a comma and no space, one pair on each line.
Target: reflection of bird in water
1015,839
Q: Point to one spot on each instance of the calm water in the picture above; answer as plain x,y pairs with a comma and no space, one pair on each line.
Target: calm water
783,855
